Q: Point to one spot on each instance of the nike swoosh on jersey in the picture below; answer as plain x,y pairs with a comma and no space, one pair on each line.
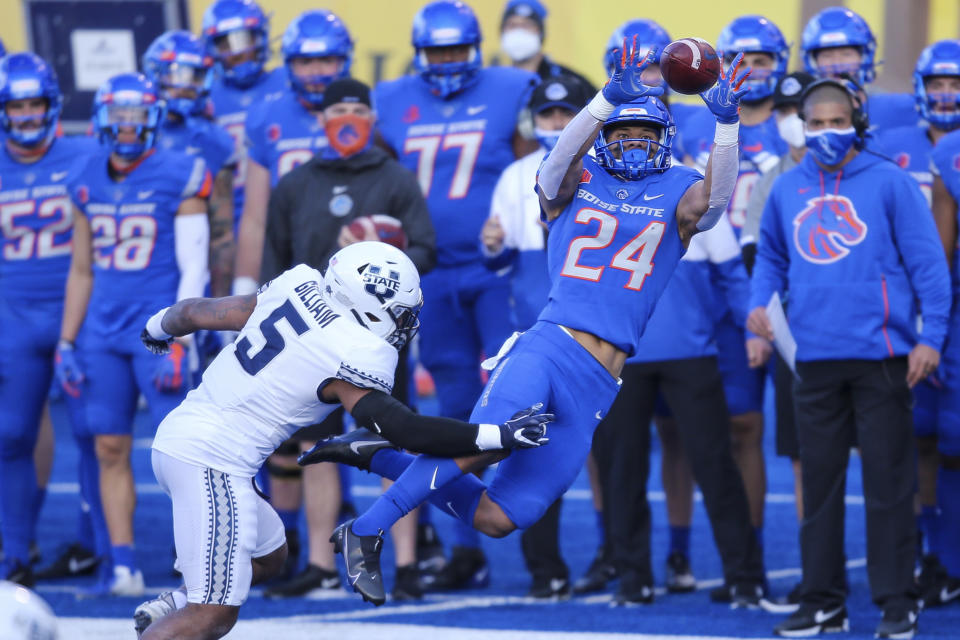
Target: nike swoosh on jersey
472,111
338,189
143,195
58,175
433,480
822,616
648,198
192,151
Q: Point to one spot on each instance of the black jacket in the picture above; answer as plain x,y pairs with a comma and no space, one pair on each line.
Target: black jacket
311,203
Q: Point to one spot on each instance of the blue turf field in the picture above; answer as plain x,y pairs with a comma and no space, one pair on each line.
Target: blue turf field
498,612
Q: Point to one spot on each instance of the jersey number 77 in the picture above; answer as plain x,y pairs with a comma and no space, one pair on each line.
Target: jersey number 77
428,146
645,243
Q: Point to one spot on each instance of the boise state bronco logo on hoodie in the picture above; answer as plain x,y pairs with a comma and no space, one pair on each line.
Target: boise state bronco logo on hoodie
824,230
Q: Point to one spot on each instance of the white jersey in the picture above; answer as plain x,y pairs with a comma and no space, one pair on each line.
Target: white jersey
264,387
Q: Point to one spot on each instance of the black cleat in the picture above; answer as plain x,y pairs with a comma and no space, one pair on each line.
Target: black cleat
550,589
361,554
789,603
22,574
355,449
312,582
73,560
936,586
597,576
632,596
679,576
746,596
430,556
467,569
407,585
811,621
899,622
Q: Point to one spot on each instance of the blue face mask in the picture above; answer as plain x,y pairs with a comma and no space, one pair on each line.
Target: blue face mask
830,146
547,137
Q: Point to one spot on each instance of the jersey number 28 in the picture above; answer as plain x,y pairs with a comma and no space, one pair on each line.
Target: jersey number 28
274,342
645,243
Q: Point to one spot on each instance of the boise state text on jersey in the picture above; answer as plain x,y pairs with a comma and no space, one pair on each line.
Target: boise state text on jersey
36,220
132,228
282,134
457,148
610,236
198,137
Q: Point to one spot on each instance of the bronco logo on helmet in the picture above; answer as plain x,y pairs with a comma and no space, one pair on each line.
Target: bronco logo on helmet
824,230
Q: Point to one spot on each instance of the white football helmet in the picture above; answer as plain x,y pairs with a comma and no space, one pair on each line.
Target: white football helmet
377,285
24,615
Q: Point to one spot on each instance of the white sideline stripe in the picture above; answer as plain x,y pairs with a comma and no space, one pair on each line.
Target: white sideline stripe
299,628
372,491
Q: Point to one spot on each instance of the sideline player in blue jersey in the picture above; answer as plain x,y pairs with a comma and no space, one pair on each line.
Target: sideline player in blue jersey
35,231
767,52
606,231
454,124
140,238
936,83
237,36
946,195
284,130
178,65
837,42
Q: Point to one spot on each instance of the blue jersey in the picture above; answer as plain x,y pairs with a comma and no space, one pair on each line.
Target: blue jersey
891,110
910,147
36,220
612,250
230,107
945,161
198,137
760,149
457,147
132,227
857,250
282,134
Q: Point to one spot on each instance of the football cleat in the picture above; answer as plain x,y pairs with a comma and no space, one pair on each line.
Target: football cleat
312,582
899,622
679,576
597,576
467,569
784,604
355,449
73,560
120,582
811,621
631,596
361,554
430,556
550,589
152,610
936,586
407,585
746,596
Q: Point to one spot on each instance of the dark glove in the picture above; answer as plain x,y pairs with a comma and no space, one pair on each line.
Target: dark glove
526,429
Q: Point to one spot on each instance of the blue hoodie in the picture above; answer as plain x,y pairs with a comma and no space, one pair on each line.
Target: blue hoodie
857,249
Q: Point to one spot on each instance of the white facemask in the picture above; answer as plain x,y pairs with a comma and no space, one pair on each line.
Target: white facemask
791,130
520,44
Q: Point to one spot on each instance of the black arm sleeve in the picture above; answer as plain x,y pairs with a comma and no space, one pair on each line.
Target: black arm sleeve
435,436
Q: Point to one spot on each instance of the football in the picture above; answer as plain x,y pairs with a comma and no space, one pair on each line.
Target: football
387,228
689,65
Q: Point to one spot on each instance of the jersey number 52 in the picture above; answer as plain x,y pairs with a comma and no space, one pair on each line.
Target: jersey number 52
645,243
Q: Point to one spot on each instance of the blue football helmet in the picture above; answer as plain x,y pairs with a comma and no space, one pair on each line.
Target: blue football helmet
317,33
751,34
237,28
24,76
178,60
128,100
447,23
839,27
650,35
939,59
653,156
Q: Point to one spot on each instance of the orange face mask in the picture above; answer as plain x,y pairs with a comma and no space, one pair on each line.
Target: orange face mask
348,134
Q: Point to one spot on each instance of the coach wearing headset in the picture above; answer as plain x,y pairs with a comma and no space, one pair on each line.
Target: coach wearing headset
851,237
